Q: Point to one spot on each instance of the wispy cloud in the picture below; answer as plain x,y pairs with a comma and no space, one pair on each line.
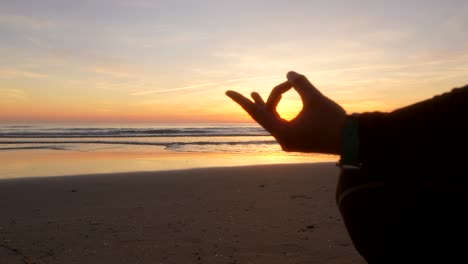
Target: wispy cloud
430,62
12,95
395,68
110,85
12,73
35,41
115,70
26,22
206,85
143,35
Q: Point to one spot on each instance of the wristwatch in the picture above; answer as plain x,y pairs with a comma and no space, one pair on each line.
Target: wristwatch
350,144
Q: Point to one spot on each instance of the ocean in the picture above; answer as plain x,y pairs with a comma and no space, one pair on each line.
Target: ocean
224,138
36,149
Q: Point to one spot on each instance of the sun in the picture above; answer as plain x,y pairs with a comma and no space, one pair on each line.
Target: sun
290,105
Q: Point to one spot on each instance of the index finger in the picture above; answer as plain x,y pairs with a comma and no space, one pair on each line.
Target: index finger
250,107
275,95
266,119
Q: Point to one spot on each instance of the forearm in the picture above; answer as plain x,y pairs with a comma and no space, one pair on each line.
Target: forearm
412,178
426,131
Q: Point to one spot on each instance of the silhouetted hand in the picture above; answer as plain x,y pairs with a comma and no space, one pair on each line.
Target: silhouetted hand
317,128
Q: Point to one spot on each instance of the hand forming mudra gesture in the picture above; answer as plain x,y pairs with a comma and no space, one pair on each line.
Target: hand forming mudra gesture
317,128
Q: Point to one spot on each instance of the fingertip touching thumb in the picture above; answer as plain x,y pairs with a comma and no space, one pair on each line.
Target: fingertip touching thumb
292,76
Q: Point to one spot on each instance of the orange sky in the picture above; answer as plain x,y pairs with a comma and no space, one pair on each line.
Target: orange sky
145,61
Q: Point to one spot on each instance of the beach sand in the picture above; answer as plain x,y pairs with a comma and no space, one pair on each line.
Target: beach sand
254,214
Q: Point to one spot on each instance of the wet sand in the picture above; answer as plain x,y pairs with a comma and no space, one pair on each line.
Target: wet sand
253,214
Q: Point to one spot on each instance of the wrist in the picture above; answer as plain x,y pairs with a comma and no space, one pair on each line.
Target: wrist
349,149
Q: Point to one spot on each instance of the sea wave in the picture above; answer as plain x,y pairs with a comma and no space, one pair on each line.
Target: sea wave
166,144
53,147
131,132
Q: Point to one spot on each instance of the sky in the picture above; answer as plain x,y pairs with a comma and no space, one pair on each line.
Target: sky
172,61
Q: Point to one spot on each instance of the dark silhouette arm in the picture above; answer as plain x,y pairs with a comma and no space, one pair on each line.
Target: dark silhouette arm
434,130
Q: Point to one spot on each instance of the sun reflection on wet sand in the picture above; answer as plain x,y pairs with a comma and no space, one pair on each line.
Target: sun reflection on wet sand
31,163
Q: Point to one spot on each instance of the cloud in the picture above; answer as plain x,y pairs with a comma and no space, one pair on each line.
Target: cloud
115,70
12,95
143,35
429,62
341,77
35,41
25,22
111,85
205,85
12,73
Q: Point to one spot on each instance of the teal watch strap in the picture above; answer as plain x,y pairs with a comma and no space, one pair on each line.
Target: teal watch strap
350,143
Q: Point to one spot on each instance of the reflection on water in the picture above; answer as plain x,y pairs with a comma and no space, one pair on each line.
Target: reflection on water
26,163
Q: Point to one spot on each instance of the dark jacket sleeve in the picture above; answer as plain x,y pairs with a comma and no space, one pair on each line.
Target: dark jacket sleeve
408,201
434,130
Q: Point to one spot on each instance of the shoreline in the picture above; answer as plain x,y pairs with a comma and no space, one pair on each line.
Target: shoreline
44,163
166,172
246,214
